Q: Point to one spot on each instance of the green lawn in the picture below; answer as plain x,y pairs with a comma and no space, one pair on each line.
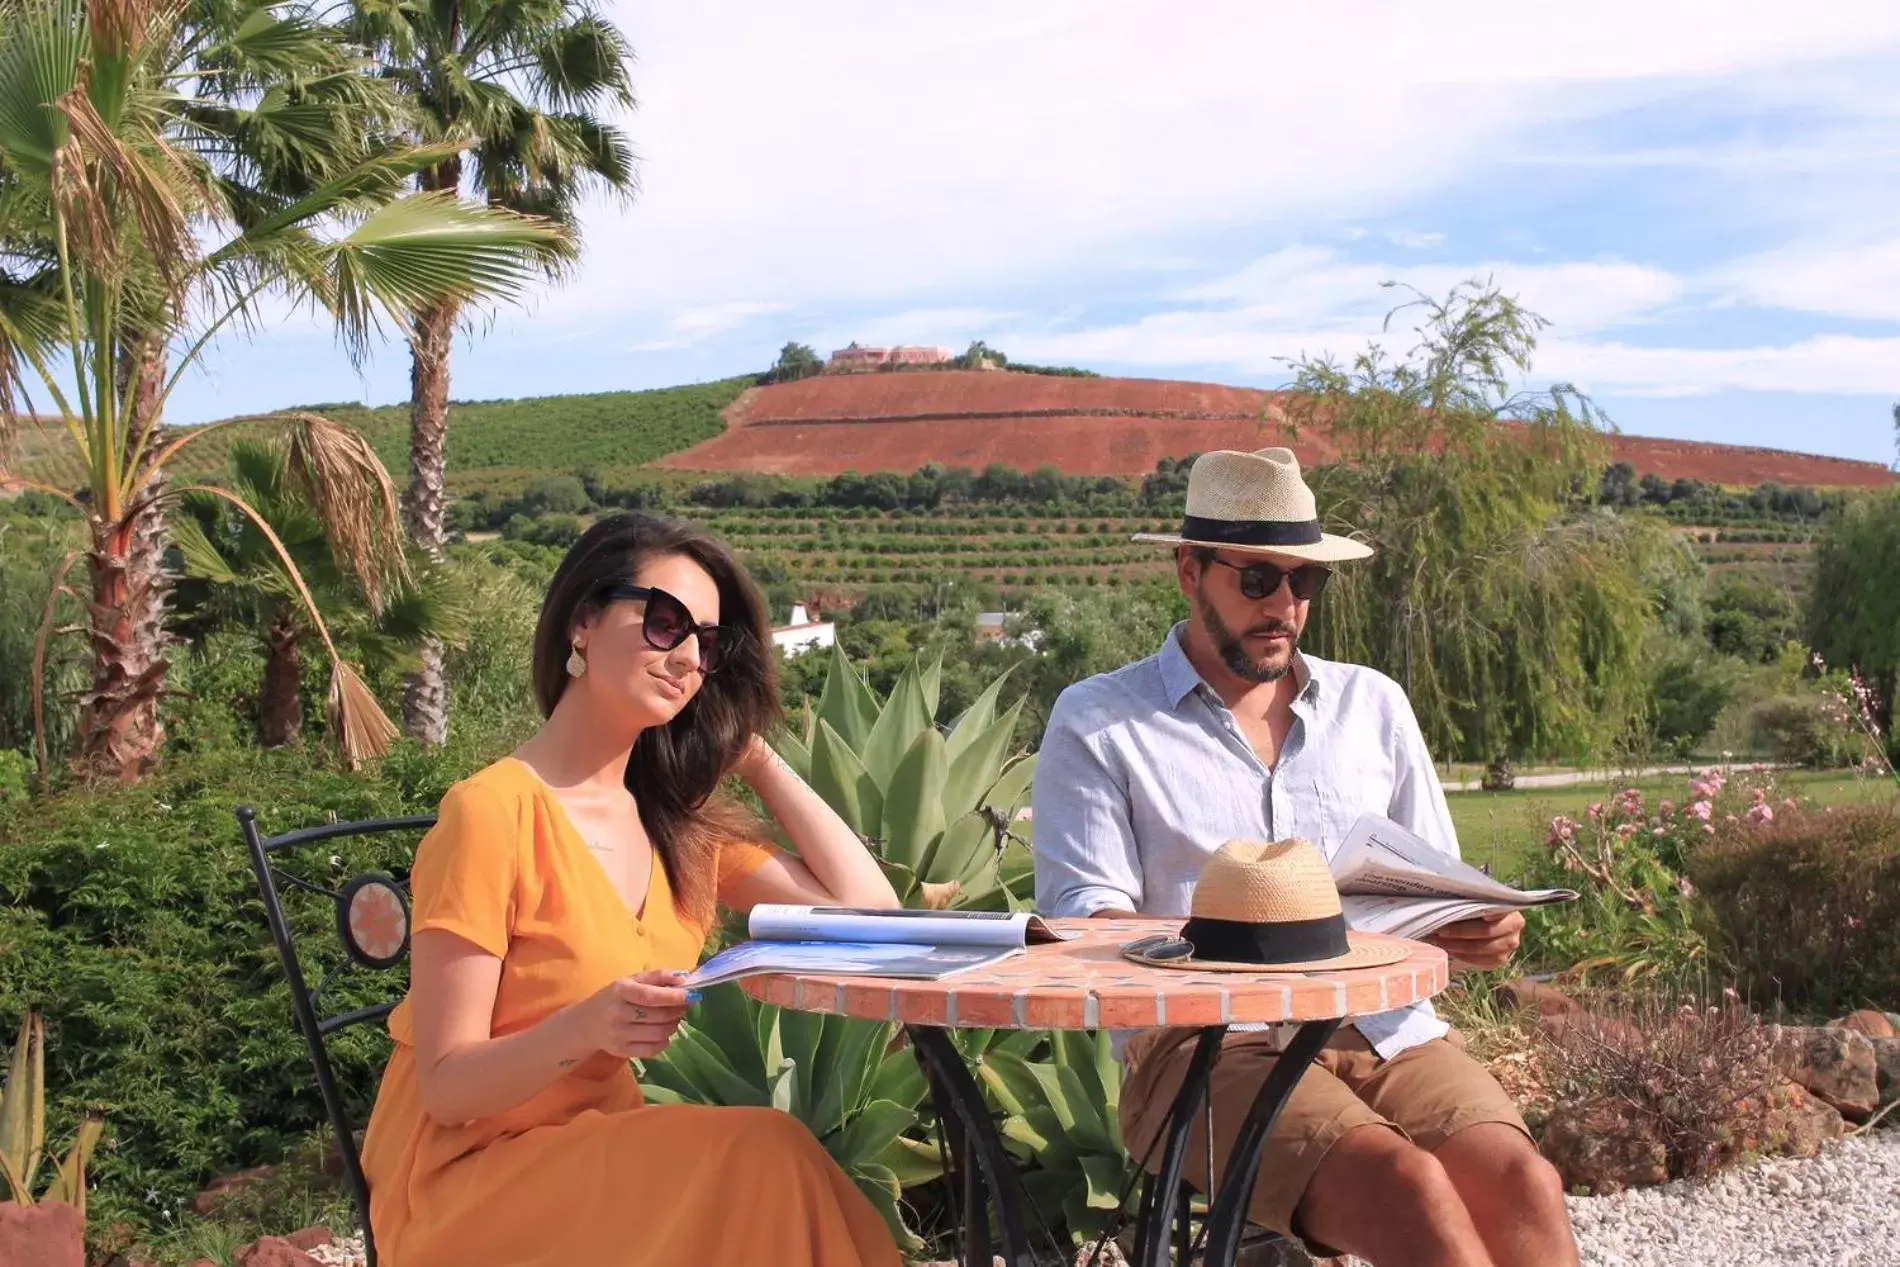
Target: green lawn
1503,828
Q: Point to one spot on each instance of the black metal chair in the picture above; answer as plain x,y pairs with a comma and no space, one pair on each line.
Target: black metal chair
372,923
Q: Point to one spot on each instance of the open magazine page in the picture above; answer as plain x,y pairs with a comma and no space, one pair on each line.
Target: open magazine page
1380,857
836,958
783,922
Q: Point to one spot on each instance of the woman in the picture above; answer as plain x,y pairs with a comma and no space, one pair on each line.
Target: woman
557,900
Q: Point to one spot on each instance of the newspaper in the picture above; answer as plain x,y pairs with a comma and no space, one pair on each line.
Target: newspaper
860,941
1391,881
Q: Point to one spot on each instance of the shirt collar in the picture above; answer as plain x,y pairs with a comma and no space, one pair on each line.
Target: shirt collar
1179,677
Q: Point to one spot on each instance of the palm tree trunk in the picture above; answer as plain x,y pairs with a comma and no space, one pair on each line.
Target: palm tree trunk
425,701
120,730
280,706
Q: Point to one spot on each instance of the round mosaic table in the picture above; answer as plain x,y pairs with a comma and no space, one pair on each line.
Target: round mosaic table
1084,983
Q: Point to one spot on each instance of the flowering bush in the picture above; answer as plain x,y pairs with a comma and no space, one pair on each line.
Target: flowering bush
1637,914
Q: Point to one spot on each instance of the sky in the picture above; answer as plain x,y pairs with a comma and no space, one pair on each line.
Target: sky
1702,199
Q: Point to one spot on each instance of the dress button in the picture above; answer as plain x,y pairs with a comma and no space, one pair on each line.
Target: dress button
639,930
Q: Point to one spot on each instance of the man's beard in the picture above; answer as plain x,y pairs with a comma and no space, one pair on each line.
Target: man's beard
1233,652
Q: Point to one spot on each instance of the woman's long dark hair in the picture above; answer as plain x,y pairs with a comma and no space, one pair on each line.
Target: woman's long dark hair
676,768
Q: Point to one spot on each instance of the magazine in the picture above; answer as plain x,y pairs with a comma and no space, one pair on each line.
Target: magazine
862,941
1391,881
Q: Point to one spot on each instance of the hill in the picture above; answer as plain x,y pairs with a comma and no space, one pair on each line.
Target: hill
1104,426
492,443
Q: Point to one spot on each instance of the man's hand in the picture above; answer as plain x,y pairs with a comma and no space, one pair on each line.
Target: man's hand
1488,941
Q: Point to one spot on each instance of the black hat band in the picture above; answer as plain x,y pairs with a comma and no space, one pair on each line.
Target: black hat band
1294,941
1252,532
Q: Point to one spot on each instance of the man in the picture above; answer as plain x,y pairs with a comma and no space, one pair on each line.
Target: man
1395,1145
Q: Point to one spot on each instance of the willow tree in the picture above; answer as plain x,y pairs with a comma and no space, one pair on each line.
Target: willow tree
1854,607
513,92
135,228
1513,611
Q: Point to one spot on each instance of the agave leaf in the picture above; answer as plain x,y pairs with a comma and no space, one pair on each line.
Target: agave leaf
655,1093
899,1079
906,715
976,769
913,802
931,680
725,1018
881,1186
846,702
840,778
796,753
69,1185
964,843
783,1088
978,716
1105,1180
913,1161
844,1071
707,1065
872,1131
1007,1076
23,1109
1018,1130
800,1034
1011,789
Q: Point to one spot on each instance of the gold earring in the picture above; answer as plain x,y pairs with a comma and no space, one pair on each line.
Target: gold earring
576,662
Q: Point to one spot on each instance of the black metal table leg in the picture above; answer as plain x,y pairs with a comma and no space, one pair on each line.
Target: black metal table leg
1163,1193
1227,1218
959,1101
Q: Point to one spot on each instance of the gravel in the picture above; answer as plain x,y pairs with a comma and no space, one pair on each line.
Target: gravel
1841,1208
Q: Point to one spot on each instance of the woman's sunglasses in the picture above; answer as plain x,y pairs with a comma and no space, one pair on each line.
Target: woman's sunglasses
1262,580
666,623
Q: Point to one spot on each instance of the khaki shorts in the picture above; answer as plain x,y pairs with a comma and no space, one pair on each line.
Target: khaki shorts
1426,1093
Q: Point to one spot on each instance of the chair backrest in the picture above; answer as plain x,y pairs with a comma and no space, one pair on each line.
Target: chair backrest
372,926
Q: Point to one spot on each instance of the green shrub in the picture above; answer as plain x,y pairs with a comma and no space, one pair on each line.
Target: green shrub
1797,729
1804,903
130,920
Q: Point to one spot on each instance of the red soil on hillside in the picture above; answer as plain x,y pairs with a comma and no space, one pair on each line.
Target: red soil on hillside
1102,426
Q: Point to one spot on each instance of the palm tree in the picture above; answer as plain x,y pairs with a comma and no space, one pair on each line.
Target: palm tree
163,171
515,87
235,579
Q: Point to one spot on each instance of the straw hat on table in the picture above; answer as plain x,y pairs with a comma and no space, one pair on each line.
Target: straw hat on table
1264,906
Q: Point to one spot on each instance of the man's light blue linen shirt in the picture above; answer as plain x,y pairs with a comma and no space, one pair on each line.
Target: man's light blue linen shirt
1144,773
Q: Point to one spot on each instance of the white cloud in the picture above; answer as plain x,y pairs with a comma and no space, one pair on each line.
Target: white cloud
1412,240
1841,279
695,325
1830,364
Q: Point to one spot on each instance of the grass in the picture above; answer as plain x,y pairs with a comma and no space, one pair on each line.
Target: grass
616,432
1505,828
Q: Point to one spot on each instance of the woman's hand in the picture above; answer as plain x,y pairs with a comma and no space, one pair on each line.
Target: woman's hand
634,1016
756,756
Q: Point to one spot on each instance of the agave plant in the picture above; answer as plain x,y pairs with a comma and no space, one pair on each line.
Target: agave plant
1061,1115
936,806
23,1127
846,1080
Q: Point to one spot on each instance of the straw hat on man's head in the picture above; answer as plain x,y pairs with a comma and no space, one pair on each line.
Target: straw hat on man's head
1266,907
1256,502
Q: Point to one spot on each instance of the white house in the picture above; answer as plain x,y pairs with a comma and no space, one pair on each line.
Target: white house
803,633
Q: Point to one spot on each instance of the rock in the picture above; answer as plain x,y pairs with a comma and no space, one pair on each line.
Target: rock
310,1237
1536,996
50,1234
273,1251
1887,1067
1866,1021
1595,1145
207,1201
1789,1120
1836,1064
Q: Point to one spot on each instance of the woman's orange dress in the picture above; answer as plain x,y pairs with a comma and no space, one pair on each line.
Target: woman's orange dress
585,1172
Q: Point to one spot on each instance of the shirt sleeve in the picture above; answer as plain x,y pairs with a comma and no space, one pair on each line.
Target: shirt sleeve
1084,841
737,860
466,870
1418,798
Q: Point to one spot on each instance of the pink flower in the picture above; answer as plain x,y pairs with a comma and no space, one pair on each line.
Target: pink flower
1659,831
1761,812
1595,810
1682,883
1708,829
1790,803
1667,808
1702,809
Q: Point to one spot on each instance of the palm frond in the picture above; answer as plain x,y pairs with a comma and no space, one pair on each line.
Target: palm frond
343,479
363,730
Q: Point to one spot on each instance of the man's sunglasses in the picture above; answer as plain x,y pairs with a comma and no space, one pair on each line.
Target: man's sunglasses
1262,580
666,623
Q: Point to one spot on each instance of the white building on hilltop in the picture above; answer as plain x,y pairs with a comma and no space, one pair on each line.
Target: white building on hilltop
803,633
